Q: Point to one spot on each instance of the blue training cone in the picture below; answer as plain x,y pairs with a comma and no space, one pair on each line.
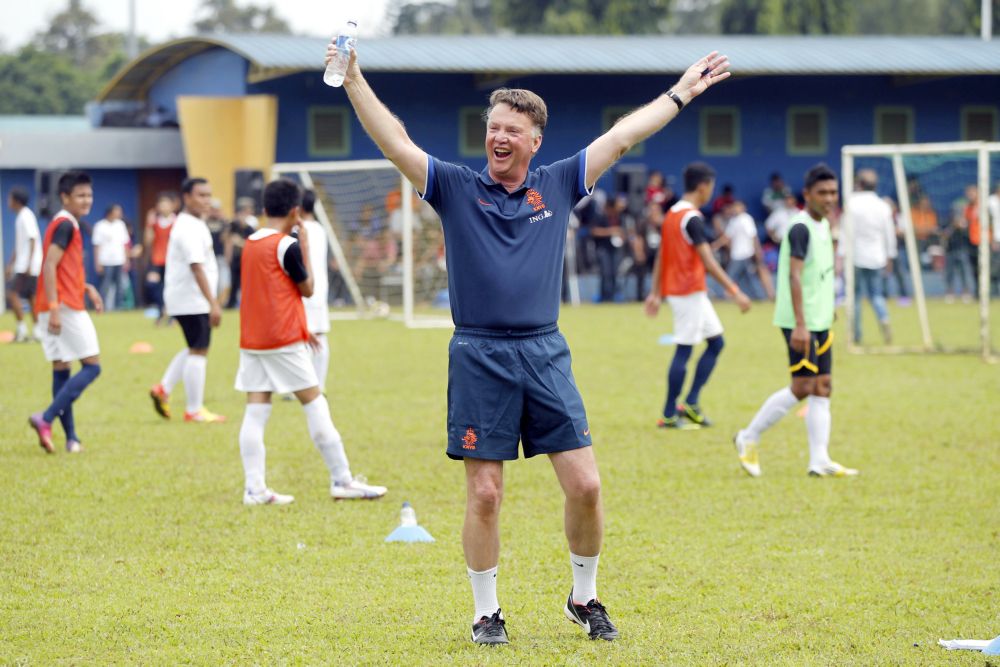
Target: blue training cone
408,530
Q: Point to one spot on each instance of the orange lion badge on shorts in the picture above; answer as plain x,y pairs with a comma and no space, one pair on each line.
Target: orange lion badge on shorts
470,439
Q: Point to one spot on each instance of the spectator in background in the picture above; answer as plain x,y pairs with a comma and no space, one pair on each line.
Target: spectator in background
111,242
239,231
657,191
637,236
778,221
25,261
976,233
156,235
720,203
993,205
898,260
609,237
874,238
740,236
775,195
956,237
925,223
219,228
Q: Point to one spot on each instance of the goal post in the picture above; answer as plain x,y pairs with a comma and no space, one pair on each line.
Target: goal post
385,250
969,164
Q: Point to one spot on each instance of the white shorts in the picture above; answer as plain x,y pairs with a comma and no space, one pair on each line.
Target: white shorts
284,370
694,318
77,338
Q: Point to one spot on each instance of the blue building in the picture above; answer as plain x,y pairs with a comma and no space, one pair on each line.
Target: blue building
217,104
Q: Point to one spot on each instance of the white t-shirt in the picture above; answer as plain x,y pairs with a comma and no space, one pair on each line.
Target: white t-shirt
741,231
27,260
111,240
777,223
317,310
874,230
190,243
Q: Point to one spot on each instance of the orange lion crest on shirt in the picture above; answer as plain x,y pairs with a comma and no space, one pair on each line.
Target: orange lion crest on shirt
534,199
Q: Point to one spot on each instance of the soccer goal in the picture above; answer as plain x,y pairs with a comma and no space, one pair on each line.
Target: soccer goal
935,190
387,245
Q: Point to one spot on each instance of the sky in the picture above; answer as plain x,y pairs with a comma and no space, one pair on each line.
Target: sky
160,20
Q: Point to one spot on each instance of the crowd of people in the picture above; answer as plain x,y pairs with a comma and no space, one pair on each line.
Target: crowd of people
616,238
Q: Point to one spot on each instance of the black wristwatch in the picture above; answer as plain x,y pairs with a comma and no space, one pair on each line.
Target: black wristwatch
676,98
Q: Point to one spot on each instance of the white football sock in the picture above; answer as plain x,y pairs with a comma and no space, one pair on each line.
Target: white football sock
327,439
584,578
775,407
484,592
818,426
321,360
22,328
175,371
194,381
252,445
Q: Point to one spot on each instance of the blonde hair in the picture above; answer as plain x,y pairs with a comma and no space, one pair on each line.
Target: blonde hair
522,101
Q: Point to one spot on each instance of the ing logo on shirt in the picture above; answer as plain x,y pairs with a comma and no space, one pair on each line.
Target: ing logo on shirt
534,199
469,440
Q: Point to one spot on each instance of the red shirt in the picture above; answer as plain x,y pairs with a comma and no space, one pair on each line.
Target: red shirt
681,270
70,275
271,310
161,237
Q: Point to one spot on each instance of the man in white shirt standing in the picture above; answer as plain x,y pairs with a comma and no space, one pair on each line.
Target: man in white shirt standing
25,262
317,306
874,244
189,297
110,240
744,249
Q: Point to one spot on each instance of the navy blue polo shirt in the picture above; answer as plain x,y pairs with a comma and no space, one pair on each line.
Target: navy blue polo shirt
505,249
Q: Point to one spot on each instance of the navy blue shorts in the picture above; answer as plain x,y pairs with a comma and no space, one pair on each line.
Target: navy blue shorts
511,386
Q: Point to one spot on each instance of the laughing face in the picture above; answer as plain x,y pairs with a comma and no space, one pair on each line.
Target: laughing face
511,141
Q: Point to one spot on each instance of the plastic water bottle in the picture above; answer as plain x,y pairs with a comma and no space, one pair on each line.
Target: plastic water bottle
407,515
337,69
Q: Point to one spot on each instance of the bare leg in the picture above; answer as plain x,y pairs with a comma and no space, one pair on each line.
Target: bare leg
581,483
481,532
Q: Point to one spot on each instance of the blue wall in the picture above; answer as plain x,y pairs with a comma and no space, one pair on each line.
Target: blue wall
429,106
214,73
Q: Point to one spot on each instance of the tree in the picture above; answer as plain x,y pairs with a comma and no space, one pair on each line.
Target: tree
71,33
567,17
464,17
787,17
227,16
37,82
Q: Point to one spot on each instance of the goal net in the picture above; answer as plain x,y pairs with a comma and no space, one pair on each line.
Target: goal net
386,245
943,272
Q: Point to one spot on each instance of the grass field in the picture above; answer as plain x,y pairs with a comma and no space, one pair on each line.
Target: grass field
139,550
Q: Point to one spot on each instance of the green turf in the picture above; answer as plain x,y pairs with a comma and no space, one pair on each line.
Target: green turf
139,550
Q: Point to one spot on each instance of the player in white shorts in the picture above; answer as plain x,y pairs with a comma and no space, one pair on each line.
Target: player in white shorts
317,305
68,333
275,351
679,274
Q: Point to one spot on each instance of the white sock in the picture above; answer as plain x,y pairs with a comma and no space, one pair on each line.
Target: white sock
321,360
584,577
252,445
174,371
22,328
484,592
194,381
327,439
775,407
818,427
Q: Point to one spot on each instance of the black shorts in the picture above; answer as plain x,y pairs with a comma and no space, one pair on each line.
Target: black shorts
23,285
197,330
820,359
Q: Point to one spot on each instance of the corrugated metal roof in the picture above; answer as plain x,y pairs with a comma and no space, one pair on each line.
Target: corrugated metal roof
271,55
